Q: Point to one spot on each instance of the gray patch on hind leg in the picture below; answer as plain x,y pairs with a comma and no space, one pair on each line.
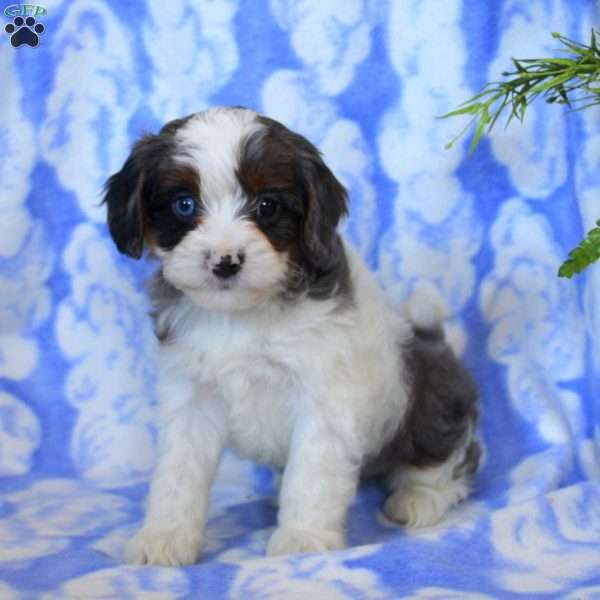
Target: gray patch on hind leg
442,409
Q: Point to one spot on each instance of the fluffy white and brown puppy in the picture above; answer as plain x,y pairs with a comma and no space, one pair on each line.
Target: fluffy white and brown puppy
276,341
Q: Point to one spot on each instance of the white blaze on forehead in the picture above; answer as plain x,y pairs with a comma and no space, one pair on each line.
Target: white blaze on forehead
210,142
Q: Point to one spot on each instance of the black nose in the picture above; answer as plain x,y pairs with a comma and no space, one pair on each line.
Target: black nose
226,267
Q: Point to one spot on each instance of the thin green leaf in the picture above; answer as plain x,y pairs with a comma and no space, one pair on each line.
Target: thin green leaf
453,141
467,110
483,121
552,83
566,62
518,66
497,113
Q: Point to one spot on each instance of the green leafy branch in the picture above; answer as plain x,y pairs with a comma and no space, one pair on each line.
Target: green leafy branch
572,80
587,252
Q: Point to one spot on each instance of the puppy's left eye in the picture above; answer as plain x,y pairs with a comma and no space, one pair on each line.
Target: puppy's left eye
268,207
184,208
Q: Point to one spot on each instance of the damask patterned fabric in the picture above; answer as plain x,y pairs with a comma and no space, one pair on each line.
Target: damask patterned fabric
365,81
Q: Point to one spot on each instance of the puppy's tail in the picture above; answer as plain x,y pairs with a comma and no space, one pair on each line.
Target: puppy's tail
426,311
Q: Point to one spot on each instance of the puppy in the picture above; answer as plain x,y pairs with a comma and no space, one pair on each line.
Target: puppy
276,341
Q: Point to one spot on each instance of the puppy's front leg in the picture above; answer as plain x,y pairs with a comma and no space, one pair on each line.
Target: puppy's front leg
191,439
319,483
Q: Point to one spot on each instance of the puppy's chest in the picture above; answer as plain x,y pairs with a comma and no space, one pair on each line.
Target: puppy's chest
258,388
260,399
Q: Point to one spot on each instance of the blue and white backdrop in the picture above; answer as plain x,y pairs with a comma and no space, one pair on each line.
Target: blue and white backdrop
365,81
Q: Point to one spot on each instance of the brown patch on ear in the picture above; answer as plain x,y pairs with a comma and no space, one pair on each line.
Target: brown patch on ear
264,164
327,204
124,207
277,158
125,191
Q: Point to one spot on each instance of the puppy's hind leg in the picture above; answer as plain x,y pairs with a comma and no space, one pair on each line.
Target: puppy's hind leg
421,496
434,455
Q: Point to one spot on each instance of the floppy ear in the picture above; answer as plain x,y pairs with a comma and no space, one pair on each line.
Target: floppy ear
327,204
124,194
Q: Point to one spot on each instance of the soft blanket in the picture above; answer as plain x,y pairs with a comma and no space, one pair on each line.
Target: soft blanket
365,81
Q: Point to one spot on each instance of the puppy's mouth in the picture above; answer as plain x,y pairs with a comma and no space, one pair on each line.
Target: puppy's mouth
225,285
212,284
218,280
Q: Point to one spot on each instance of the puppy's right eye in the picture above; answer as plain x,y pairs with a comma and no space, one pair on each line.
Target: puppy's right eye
184,208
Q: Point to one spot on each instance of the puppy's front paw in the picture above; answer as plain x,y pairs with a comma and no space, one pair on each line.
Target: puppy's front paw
289,540
168,547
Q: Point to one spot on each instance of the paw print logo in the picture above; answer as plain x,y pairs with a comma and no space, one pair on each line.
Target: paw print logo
24,31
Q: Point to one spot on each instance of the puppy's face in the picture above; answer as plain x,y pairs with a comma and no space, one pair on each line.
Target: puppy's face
237,207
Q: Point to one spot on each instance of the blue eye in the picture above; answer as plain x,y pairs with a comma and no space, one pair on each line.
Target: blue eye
184,208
